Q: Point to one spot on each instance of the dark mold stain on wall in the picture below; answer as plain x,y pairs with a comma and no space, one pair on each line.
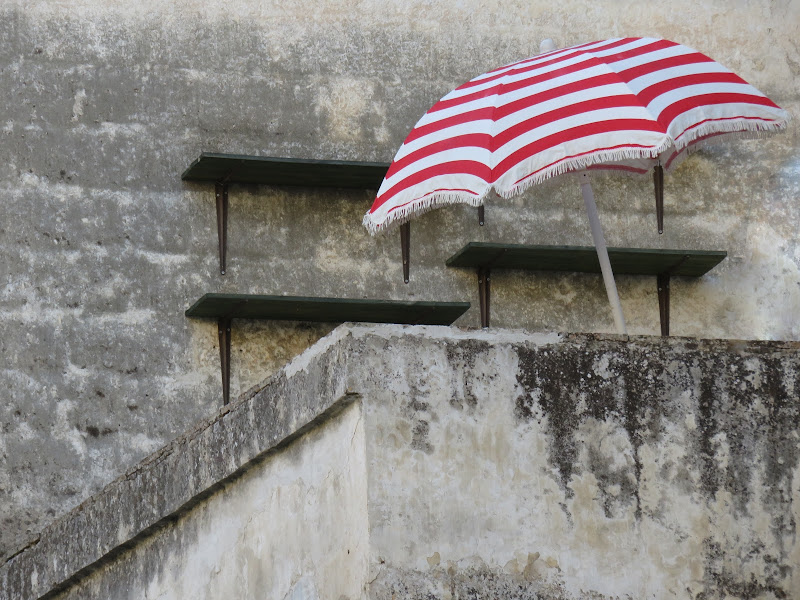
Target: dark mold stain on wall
744,404
749,404
740,410
565,388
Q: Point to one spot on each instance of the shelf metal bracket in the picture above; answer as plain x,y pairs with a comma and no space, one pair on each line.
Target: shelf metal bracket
662,280
224,331
484,287
221,189
663,302
405,244
658,184
484,293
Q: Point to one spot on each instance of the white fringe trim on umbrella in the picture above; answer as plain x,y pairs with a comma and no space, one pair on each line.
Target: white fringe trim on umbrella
439,199
581,163
732,129
728,130
736,130
419,207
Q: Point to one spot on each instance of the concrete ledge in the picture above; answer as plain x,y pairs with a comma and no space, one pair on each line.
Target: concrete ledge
175,478
566,455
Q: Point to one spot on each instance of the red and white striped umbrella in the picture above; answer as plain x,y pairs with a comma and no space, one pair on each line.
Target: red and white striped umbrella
627,104
621,104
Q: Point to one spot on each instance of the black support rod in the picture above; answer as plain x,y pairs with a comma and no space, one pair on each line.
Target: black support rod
484,294
224,331
481,215
663,302
658,184
405,243
222,222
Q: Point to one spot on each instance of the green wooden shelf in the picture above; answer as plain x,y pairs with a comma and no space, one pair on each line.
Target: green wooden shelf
225,169
663,264
269,170
301,308
225,307
583,259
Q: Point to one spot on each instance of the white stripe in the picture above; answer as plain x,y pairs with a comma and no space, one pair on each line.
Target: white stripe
456,181
649,57
636,43
659,103
582,146
594,70
579,97
513,77
471,127
480,155
645,81
596,116
692,117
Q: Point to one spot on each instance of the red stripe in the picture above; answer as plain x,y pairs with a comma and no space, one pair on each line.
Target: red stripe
477,140
629,73
500,112
740,117
563,112
712,134
533,61
540,65
557,92
522,84
517,105
469,167
555,53
572,134
501,138
671,112
663,63
449,103
648,94
475,115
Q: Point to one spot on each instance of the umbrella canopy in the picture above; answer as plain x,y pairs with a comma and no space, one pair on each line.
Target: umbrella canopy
623,104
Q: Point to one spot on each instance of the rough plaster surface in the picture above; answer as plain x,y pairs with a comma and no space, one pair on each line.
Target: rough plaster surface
294,526
102,247
463,464
635,469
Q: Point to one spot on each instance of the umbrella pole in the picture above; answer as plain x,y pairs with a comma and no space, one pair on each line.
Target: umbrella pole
602,253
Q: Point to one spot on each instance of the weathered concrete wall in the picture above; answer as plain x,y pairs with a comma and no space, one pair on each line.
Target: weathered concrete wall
294,526
102,247
583,468
453,464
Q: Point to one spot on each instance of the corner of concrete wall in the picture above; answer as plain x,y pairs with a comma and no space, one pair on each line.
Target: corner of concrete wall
145,503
